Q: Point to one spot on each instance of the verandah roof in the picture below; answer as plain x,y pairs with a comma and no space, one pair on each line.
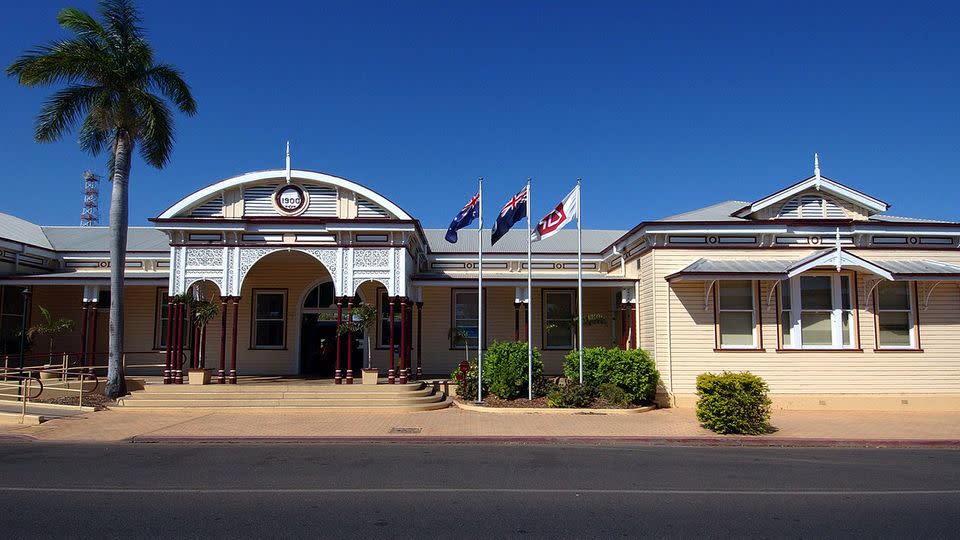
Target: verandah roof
894,270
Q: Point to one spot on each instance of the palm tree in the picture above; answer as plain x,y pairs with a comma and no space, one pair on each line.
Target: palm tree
115,91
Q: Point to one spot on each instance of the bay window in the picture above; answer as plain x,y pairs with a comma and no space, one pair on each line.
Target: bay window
736,315
895,318
816,312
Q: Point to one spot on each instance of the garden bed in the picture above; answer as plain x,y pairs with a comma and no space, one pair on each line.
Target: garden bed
539,405
99,402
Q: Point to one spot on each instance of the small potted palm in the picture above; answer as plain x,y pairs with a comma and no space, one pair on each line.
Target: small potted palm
50,329
360,318
203,312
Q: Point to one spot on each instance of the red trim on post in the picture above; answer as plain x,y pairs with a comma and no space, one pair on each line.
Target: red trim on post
168,369
221,373
203,346
350,345
232,379
92,357
419,340
403,340
337,374
83,335
633,326
391,376
178,339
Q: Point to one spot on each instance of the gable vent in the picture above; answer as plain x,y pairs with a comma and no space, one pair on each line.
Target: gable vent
323,201
811,206
257,200
211,208
366,208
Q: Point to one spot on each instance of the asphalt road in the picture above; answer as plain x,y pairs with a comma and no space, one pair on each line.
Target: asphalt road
473,491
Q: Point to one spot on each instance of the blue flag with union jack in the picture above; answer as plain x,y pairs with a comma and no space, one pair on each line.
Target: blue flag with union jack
464,218
512,212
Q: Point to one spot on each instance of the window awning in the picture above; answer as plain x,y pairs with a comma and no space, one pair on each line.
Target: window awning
893,270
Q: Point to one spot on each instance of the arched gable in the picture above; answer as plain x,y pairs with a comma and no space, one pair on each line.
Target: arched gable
253,195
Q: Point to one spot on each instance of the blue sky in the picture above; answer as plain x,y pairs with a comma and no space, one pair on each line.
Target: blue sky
659,107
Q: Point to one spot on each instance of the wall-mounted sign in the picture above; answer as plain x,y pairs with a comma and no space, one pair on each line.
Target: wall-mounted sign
290,200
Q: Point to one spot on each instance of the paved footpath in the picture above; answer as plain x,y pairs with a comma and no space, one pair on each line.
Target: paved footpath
812,428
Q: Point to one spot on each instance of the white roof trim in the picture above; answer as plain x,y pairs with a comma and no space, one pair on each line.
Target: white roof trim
842,259
279,174
823,184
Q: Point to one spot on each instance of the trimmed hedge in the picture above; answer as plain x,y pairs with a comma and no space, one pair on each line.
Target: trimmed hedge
571,395
505,368
632,370
733,403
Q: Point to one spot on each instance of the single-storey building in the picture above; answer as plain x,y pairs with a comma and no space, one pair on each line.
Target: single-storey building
815,287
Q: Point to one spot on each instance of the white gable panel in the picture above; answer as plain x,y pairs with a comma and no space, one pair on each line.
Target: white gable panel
323,201
258,200
367,208
211,208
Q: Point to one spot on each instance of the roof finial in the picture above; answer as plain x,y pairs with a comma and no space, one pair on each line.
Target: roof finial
288,162
816,169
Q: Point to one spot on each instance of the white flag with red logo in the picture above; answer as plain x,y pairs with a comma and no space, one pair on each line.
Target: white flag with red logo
565,212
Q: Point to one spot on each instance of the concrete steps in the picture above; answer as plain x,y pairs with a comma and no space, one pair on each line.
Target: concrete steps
302,394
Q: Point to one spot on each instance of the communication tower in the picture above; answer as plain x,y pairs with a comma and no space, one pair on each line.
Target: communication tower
90,215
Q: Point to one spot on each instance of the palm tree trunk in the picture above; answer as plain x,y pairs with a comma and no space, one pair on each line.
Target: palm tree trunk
116,385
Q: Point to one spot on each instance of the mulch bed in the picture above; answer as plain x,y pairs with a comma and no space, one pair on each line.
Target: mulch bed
539,403
99,402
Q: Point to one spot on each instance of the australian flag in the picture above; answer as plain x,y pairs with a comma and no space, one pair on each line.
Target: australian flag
512,212
464,217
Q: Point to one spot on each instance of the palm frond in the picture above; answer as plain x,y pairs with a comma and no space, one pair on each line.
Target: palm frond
169,81
82,23
62,111
97,131
67,61
156,128
122,21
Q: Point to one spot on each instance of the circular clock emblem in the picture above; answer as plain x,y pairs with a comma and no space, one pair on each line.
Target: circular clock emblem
290,200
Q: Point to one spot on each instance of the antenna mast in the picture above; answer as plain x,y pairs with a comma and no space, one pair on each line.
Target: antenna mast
90,215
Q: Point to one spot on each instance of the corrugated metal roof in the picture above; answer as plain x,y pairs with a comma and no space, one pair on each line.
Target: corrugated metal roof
21,230
84,239
902,219
515,241
919,267
744,266
721,211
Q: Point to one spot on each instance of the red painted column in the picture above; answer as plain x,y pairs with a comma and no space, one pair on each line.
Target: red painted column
633,325
221,373
337,374
233,353
203,347
178,339
92,357
349,344
168,367
516,321
526,306
622,342
391,376
403,340
83,335
419,340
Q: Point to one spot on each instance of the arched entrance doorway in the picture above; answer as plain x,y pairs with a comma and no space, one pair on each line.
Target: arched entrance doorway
318,334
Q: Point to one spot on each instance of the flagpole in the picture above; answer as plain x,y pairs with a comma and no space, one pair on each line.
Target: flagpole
480,292
529,300
580,278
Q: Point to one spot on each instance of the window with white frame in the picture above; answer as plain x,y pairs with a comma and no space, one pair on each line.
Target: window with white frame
466,317
162,319
558,319
384,310
736,315
817,312
269,319
895,325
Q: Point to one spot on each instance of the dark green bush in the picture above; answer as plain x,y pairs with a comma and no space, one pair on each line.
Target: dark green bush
505,368
467,389
733,403
614,395
571,395
542,386
632,370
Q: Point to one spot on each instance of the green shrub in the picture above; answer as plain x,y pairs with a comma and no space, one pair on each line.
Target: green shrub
505,368
614,395
571,395
733,403
632,370
542,386
467,389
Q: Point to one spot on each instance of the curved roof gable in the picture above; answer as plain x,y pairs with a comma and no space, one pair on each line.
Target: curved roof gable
212,193
817,183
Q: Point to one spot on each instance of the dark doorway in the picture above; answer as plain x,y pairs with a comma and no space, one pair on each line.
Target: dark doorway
318,348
